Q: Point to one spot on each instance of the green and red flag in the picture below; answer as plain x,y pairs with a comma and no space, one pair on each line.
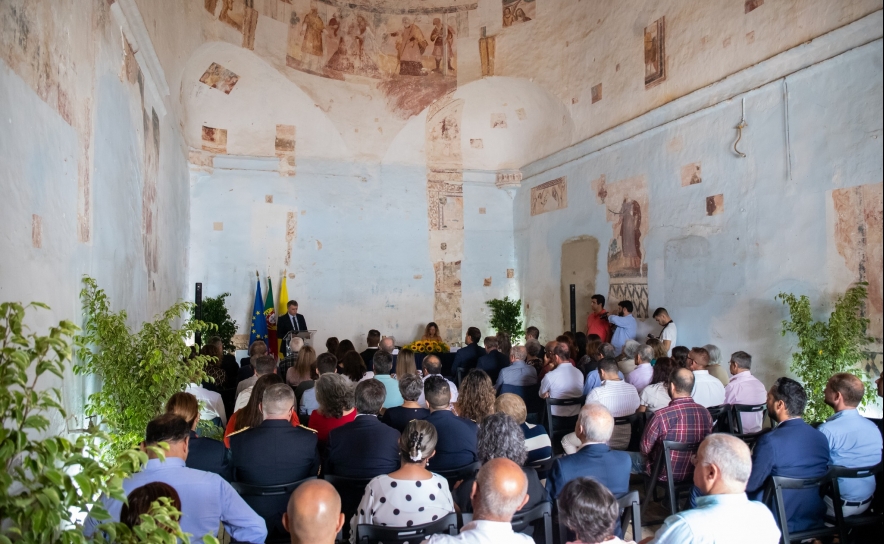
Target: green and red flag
270,314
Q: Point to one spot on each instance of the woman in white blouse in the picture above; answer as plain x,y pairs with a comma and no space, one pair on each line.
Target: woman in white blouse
656,395
411,495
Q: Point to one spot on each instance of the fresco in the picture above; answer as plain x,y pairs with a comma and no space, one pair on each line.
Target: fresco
149,235
219,77
549,196
714,204
691,174
655,52
518,11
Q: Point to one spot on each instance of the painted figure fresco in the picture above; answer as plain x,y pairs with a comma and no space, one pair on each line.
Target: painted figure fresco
440,41
410,48
311,45
518,11
630,221
549,196
655,58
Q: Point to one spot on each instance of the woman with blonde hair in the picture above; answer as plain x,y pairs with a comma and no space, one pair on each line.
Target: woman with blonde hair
431,333
302,370
203,453
476,396
405,363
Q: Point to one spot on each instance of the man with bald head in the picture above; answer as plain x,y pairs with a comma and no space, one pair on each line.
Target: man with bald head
500,490
314,513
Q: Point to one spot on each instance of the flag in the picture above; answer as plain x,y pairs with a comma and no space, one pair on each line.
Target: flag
259,321
283,307
270,314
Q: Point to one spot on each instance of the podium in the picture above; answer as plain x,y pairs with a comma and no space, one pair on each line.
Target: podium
306,335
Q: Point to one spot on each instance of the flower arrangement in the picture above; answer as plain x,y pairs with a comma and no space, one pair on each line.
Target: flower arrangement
428,346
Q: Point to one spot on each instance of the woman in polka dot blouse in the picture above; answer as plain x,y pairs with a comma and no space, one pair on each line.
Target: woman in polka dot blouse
411,495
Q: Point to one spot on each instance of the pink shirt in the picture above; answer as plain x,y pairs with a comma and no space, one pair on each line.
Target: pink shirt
744,388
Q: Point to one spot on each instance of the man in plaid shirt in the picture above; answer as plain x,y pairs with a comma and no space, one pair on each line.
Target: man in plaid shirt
682,421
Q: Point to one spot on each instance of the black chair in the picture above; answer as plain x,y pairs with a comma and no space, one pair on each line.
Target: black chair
269,502
636,424
845,524
454,475
351,491
721,418
531,395
773,497
559,426
737,410
371,534
630,512
543,511
673,489
543,466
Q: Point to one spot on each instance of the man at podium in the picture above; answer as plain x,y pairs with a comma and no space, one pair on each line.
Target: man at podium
291,322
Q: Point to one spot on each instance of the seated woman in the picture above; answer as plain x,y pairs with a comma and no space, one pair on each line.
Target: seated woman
250,415
475,398
301,370
405,363
142,498
659,350
537,442
590,511
411,495
334,393
202,453
353,367
411,387
500,436
656,395
431,333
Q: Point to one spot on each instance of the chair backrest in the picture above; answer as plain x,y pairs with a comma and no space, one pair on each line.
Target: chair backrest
453,475
249,490
550,418
529,393
521,520
630,507
721,418
738,409
544,465
370,534
773,497
636,424
670,446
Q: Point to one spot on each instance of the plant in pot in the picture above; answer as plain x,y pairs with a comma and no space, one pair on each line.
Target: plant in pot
215,312
506,317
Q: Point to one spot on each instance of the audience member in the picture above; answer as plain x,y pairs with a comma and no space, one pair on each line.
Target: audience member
723,514
302,369
203,453
793,449
669,334
549,360
493,361
518,373
250,415
580,346
656,395
432,366
265,365
643,373
365,448
314,514
206,499
405,364
373,338
591,511
326,363
476,399
625,325
211,404
589,362
708,390
331,346
456,446
246,369
626,359
500,490
468,356
680,356
563,382
568,338
140,501
227,361
344,346
388,344
274,453
216,375
353,368
383,365
657,346
854,442
537,442
334,393
431,333
535,355
593,379
411,388
290,361
411,495
714,367
744,388
504,344
618,397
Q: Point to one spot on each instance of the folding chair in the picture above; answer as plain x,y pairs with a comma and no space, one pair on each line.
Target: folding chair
738,409
721,418
531,395
673,489
269,502
372,534
522,520
636,424
773,497
351,491
845,524
559,426
454,475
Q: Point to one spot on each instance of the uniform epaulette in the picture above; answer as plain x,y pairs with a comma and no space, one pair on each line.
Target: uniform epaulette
308,428
237,432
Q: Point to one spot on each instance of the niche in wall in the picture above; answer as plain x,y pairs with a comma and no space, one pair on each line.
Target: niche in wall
580,257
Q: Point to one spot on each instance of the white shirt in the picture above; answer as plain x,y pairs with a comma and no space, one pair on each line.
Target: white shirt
243,398
655,396
564,382
670,332
483,532
641,376
423,400
708,390
621,399
211,405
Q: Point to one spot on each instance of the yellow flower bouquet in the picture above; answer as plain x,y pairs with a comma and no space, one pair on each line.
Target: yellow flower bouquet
427,346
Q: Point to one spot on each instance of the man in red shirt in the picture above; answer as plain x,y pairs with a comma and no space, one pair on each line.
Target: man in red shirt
597,322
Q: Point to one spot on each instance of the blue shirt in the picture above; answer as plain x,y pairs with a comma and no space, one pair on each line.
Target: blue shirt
394,397
626,328
854,442
720,519
519,373
206,500
593,380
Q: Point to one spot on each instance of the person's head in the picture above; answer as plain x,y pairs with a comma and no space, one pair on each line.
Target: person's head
370,396
213,353
373,338
595,424
417,443
410,387
475,398
681,383
500,436
593,343
569,341
382,362
437,392
278,402
406,22
326,363
580,343
740,362
698,358
473,335
630,348
306,363
562,352
217,342
265,365
550,352
292,307
533,349
518,353
644,355
608,370
387,344
432,329
250,415
597,304
437,22
662,371
512,405
353,366
344,346
722,465
680,356
140,500
184,405
503,343
844,391
334,394
314,513
432,365
331,345
588,509
657,346
257,348
714,354
169,428
786,399
500,490
490,343
607,350
661,316
532,332
296,344
405,363
626,307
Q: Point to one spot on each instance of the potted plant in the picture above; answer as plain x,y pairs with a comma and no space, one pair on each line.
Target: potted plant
506,317
215,313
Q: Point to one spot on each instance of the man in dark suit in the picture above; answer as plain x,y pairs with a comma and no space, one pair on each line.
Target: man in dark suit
493,360
209,455
365,447
793,449
292,322
274,453
456,446
246,370
468,356
373,339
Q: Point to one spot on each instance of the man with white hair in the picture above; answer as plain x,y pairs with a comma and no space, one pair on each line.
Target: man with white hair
641,375
519,373
714,367
723,514
626,359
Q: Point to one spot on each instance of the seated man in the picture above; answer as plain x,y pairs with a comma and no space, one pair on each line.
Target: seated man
264,365
518,373
591,511
500,490
593,379
372,339
594,458
468,356
456,446
326,363
246,369
274,453
383,365
492,361
314,513
723,514
641,375
563,382
708,391
854,442
793,449
206,499
365,447
744,388
432,366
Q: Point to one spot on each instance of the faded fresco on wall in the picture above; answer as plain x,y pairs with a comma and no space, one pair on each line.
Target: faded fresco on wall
549,196
655,52
518,11
691,174
149,236
219,77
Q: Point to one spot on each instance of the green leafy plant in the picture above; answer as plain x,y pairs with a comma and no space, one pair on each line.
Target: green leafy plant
506,317
139,371
215,312
827,348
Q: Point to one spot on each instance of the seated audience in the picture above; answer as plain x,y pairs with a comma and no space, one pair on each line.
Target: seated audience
535,355
265,365
619,397
504,344
250,415
476,398
518,373
854,442
744,388
313,515
228,362
493,360
290,361
405,364
724,513
456,445
206,499
432,366
625,325
203,453
659,350
468,356
326,363
793,449
216,374
682,421
680,356
549,360
411,495
353,367
591,511
383,365
334,393
388,344
579,345
411,388
593,379
344,346
331,346
301,370
500,490
537,443
626,359
431,333
211,404
643,373
246,370
562,383
590,359
365,447
656,395
714,367
274,453
708,390
141,499
594,458
500,437
373,338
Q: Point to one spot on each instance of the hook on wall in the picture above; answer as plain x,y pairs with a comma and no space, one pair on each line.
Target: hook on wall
740,128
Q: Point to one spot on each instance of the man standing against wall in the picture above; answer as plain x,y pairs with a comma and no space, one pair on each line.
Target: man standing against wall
626,325
669,334
597,322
